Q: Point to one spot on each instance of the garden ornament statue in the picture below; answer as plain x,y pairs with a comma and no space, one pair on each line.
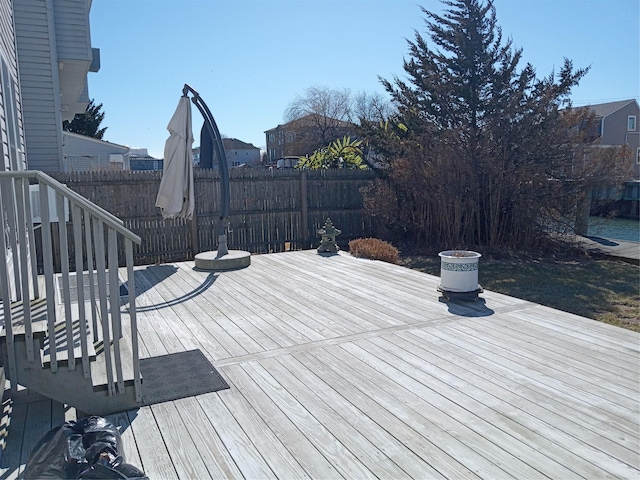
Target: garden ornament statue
328,233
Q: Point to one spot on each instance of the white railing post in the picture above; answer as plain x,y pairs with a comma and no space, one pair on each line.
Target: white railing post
5,291
92,281
102,298
12,227
23,262
31,239
131,285
66,290
114,288
47,258
77,242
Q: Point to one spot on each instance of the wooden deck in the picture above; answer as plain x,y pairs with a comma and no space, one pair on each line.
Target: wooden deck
349,368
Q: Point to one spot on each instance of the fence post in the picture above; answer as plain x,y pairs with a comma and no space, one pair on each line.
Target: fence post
304,209
195,245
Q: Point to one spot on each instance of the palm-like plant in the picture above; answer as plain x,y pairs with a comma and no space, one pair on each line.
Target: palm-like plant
341,153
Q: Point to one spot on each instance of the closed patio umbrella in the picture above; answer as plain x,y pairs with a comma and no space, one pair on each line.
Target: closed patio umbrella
175,195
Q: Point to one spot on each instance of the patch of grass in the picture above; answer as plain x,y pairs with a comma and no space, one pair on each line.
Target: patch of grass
602,289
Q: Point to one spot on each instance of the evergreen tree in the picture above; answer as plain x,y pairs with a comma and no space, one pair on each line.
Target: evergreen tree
478,150
87,123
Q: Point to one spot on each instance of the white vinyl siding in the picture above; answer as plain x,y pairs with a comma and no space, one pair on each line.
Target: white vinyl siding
72,29
11,131
35,40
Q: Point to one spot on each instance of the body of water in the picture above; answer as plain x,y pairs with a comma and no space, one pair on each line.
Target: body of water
614,228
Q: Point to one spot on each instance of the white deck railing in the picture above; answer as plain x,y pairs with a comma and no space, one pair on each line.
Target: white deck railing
90,236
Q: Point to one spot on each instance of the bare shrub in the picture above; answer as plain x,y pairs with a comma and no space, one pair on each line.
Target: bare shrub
374,249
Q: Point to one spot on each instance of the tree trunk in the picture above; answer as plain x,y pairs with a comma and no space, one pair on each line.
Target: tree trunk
583,208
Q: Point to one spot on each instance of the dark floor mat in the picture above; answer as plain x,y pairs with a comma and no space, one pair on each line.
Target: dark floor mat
178,375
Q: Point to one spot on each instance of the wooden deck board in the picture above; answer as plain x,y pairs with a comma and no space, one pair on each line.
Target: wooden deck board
230,303
192,319
485,368
208,443
577,362
551,374
551,409
590,354
352,368
497,409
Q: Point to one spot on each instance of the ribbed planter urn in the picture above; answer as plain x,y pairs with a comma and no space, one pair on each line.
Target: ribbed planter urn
459,274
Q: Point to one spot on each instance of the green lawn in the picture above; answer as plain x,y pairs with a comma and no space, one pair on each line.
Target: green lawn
605,290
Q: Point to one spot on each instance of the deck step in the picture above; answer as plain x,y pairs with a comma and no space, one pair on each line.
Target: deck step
38,310
62,352
99,366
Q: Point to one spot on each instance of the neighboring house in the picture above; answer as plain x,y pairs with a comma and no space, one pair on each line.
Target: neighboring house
617,124
303,136
238,153
53,43
139,159
82,153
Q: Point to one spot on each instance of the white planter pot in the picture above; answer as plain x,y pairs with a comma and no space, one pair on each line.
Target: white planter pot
459,271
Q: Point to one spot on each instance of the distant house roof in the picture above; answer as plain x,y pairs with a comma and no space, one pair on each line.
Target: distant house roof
235,144
606,109
97,141
310,120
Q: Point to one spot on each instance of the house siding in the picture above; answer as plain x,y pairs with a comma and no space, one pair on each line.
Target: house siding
11,123
615,125
304,135
248,157
614,132
71,18
36,48
11,120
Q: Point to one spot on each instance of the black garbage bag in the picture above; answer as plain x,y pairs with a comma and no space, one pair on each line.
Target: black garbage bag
73,448
112,469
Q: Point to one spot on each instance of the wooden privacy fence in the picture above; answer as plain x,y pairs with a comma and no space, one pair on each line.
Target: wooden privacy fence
271,210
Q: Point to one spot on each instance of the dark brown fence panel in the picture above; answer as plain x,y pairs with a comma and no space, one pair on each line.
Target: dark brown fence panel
271,210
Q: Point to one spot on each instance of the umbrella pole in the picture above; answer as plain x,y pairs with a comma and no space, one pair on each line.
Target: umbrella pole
223,168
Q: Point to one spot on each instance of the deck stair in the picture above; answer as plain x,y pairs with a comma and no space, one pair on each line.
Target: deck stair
66,332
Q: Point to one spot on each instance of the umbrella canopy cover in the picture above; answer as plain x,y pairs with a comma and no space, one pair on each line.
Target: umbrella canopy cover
176,193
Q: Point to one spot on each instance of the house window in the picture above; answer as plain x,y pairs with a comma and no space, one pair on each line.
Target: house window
631,123
638,156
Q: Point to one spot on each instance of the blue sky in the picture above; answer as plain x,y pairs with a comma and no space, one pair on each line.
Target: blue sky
249,59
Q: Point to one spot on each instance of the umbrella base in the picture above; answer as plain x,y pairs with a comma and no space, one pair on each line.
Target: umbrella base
233,260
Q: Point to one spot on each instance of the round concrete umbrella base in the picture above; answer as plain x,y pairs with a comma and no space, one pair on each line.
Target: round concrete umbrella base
231,261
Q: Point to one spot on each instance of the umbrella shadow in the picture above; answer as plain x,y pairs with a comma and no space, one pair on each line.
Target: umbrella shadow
463,308
153,275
